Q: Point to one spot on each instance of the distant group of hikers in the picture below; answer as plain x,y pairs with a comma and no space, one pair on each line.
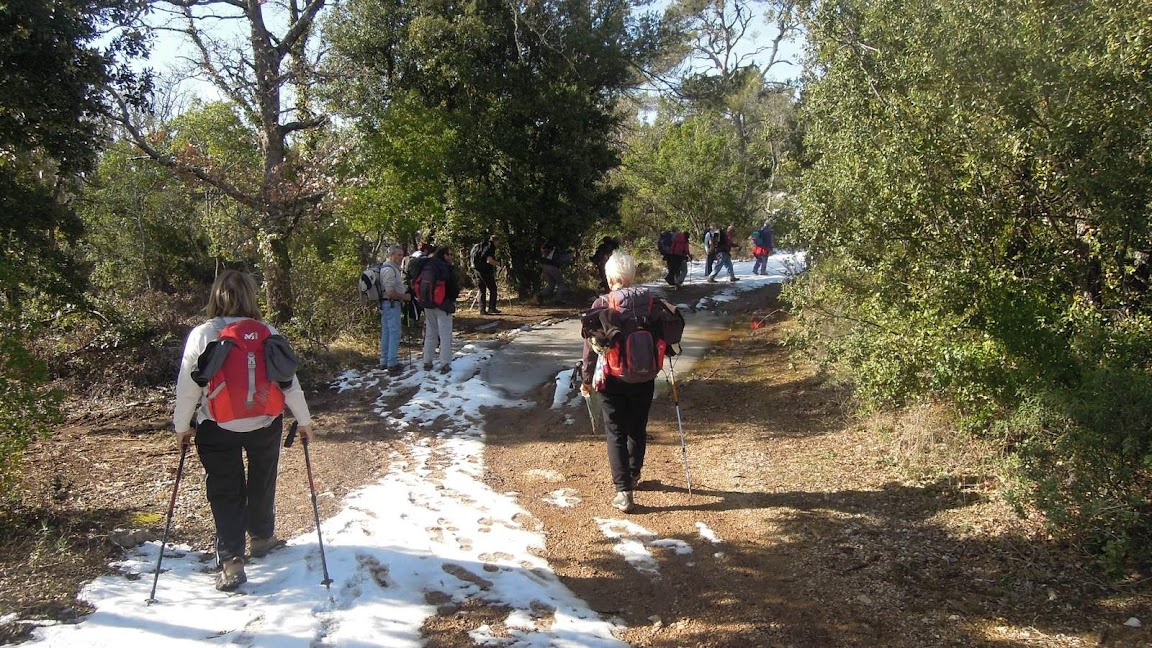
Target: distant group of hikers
719,244
237,373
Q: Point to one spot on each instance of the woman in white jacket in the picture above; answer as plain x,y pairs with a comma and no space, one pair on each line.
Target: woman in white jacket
241,503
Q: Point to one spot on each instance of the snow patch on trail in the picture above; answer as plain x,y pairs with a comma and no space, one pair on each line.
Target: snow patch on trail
708,534
431,531
565,395
634,541
563,498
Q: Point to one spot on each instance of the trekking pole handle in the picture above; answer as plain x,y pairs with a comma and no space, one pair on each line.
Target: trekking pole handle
292,434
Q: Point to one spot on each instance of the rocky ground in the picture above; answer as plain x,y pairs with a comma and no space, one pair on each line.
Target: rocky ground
804,527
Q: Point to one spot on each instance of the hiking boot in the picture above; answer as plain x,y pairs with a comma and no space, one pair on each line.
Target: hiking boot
231,575
427,366
446,369
395,370
623,502
494,311
731,279
711,280
261,547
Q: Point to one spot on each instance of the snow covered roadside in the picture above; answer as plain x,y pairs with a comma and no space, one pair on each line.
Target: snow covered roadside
430,533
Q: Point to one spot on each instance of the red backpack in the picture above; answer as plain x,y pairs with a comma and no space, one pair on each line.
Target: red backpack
429,287
235,375
637,355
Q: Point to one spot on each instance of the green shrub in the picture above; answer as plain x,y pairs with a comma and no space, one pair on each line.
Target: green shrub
976,207
28,408
1084,459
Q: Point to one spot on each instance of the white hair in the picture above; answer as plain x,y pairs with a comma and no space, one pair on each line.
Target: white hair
621,267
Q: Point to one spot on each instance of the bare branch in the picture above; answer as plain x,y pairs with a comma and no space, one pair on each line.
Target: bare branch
174,163
207,61
188,4
300,27
304,124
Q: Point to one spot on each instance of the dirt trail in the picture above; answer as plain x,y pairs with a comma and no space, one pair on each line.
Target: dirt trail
803,528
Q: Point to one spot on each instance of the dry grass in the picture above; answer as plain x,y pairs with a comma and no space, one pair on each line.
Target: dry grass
925,443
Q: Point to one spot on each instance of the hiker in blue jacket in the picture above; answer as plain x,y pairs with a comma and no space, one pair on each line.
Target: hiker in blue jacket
761,248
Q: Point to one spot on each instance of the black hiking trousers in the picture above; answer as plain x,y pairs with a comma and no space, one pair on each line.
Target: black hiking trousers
626,407
240,503
487,281
675,263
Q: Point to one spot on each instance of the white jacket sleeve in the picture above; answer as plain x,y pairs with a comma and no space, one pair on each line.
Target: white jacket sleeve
190,396
294,399
188,393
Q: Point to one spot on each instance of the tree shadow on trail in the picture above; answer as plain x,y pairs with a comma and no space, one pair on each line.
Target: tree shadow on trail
893,500
845,568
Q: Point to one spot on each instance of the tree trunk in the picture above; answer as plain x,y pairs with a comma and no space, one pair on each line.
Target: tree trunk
520,270
277,280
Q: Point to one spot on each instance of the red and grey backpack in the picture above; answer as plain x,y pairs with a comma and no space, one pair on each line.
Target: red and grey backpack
243,370
430,286
633,333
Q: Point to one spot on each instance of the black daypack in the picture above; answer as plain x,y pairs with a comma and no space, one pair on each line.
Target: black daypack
478,256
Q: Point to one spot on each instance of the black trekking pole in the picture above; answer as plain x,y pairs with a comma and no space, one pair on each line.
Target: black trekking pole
168,525
680,424
574,382
327,582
